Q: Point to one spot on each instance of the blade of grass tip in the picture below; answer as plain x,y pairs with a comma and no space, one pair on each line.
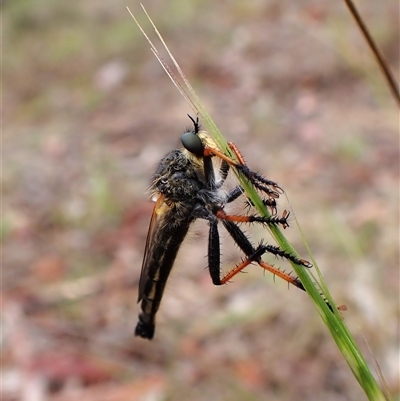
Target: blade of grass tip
195,104
205,116
165,66
141,29
175,81
177,66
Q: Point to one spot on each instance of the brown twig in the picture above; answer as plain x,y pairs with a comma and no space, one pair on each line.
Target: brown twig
393,85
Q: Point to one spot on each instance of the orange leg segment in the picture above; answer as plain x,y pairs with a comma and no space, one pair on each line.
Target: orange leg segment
221,214
215,152
236,150
239,218
235,270
284,276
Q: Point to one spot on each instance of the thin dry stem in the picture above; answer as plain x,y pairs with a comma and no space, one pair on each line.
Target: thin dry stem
393,85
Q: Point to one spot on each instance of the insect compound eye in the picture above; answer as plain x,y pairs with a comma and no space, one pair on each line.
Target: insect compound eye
192,143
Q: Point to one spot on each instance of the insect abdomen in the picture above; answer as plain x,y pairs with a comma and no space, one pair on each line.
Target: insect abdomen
161,259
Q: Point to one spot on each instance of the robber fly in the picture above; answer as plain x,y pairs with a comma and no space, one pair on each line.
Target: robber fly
187,187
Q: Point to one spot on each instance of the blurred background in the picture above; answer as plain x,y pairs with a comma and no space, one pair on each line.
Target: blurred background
87,114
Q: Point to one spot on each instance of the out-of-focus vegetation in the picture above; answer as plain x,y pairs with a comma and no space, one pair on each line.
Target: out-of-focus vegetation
88,112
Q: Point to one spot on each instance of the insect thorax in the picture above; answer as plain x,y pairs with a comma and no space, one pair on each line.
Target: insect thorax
177,177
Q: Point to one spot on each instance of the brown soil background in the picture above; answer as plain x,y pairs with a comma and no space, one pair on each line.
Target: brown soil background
88,112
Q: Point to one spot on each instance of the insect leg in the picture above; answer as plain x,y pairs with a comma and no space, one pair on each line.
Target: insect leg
224,170
239,237
267,186
252,176
268,202
237,152
214,253
248,249
237,191
283,220
254,255
234,194
209,173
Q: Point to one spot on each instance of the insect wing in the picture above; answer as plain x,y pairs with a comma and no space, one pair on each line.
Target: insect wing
154,225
